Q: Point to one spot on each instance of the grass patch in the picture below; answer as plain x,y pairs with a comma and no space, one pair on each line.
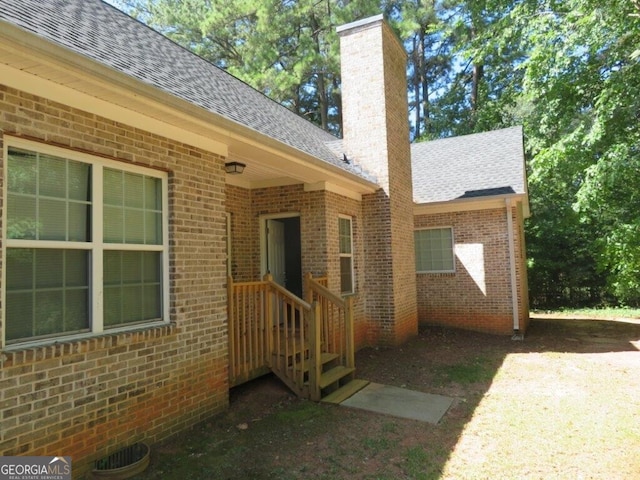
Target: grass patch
389,427
419,464
478,370
302,412
377,445
556,405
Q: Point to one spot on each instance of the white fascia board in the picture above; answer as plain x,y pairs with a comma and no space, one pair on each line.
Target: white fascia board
466,204
38,86
238,181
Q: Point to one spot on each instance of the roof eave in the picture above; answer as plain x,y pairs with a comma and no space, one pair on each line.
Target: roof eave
139,93
471,204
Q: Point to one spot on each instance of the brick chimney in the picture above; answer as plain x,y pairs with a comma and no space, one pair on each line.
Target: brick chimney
376,136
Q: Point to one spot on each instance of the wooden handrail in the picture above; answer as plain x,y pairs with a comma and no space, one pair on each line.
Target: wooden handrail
279,288
325,292
269,329
315,353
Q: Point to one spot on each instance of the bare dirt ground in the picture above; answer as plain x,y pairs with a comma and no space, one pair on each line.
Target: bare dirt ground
564,403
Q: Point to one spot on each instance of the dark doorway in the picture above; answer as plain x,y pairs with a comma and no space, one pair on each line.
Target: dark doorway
285,247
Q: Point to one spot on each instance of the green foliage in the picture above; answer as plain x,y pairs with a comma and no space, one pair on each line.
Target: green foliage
569,72
585,85
616,313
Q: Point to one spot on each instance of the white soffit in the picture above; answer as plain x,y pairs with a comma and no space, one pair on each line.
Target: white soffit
330,187
64,84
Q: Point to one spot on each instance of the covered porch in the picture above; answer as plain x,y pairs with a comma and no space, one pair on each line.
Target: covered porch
283,221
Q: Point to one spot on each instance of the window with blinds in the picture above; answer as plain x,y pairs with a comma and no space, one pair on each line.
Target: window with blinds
434,250
80,229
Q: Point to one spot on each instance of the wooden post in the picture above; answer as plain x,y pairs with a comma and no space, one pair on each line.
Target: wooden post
349,332
231,336
315,362
268,306
308,292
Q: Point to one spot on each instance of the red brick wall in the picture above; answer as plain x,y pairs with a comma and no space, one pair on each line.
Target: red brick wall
337,205
459,300
90,397
243,235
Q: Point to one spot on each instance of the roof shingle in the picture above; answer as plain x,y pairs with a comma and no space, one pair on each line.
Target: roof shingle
476,165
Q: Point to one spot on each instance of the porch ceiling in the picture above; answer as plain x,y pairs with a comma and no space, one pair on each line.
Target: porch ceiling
265,168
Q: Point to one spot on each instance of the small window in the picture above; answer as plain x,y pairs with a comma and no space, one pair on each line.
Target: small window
81,229
434,250
345,234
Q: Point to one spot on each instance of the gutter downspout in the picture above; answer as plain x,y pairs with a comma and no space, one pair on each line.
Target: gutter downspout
512,267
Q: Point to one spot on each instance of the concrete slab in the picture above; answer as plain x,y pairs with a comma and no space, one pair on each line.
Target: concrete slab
400,402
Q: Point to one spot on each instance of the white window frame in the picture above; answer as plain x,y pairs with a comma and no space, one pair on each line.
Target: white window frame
347,255
96,246
453,253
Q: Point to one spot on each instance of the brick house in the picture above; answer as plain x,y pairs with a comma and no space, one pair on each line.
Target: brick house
133,251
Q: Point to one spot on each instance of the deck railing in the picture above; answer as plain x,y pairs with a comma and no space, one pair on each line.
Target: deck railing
272,329
269,330
250,327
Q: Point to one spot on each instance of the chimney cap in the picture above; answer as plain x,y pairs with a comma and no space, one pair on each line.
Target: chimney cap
360,23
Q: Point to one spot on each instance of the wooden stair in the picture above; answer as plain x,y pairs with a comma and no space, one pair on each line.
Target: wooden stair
341,394
310,342
336,381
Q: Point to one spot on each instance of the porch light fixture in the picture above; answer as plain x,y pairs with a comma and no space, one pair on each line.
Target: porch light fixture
234,168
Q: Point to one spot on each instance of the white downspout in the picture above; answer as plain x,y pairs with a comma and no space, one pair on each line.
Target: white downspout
512,267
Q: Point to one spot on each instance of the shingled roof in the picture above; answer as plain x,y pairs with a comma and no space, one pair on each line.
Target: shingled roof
469,166
96,30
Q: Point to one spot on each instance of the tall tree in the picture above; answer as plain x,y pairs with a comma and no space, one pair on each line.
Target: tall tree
418,25
581,105
288,49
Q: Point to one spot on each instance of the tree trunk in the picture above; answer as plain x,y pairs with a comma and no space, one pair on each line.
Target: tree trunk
418,65
323,101
478,71
423,80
